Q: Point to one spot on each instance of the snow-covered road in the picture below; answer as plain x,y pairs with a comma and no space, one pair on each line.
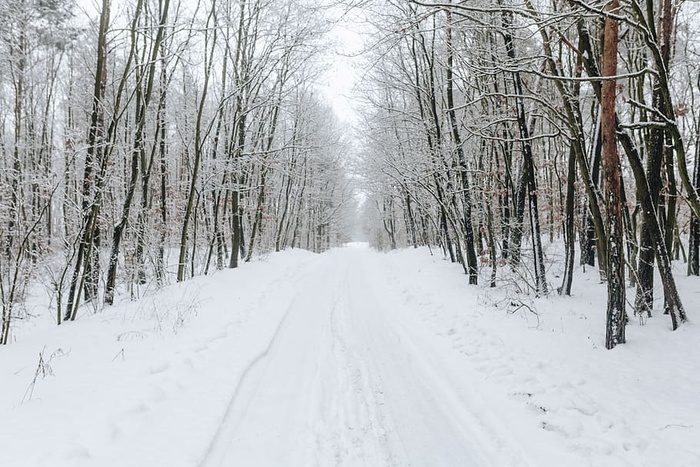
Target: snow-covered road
344,381
349,358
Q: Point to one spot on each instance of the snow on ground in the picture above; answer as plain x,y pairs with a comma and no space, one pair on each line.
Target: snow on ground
352,358
637,405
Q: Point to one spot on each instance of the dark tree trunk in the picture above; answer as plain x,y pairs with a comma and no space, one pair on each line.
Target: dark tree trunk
506,199
517,219
588,242
235,229
410,220
644,301
673,304
199,143
87,258
528,181
694,236
471,264
569,230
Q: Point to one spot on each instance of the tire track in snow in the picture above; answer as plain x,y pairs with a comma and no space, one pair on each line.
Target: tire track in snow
355,431
344,381
226,421
273,374
426,428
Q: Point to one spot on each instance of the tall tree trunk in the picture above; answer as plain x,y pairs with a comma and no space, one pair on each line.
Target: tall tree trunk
616,315
410,220
87,258
199,143
529,180
143,98
589,242
235,229
644,301
569,229
472,265
163,166
672,298
694,236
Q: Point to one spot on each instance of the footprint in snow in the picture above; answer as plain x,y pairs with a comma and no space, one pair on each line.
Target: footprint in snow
156,395
139,408
76,451
159,367
200,348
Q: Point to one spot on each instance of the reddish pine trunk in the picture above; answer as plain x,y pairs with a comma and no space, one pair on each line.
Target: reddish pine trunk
615,321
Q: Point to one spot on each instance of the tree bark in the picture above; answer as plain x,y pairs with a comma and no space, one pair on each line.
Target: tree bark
87,258
472,265
528,175
199,144
694,235
616,315
569,239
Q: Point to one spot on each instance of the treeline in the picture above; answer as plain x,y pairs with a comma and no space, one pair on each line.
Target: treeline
159,140
494,126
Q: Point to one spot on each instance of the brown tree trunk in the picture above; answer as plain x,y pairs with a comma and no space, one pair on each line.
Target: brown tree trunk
616,316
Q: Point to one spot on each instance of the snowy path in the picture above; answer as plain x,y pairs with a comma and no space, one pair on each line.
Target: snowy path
350,358
343,380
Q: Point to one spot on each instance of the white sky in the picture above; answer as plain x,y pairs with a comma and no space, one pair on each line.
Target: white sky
342,75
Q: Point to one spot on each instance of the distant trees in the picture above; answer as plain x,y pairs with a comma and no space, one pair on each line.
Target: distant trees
35,40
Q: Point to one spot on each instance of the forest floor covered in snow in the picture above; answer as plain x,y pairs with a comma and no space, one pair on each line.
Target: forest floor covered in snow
352,358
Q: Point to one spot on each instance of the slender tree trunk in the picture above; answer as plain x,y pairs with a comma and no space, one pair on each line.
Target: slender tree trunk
528,175
199,143
163,165
87,258
142,100
644,301
472,265
410,218
694,236
235,229
492,245
616,315
569,229
589,242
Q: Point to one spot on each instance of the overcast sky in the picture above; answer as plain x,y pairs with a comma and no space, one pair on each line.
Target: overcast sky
343,74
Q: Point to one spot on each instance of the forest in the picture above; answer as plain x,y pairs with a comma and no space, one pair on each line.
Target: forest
144,142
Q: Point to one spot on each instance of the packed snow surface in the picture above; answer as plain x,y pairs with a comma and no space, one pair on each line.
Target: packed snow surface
351,358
